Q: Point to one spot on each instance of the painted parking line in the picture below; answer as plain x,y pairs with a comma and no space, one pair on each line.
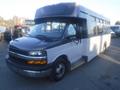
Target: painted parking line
108,58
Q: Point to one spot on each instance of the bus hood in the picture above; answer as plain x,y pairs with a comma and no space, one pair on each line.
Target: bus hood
29,43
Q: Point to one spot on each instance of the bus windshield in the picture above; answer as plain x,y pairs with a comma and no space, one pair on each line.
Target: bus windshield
51,30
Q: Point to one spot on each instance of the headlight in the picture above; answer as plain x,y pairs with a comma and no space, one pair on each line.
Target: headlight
35,53
38,53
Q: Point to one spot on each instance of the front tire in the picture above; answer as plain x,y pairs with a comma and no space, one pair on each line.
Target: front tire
58,71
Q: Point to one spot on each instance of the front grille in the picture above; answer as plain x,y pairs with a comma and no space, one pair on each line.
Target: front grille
23,64
17,50
20,60
16,59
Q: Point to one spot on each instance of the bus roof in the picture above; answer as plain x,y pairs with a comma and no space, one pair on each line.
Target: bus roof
65,10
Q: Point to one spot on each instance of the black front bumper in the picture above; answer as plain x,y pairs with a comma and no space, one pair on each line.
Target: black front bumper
28,70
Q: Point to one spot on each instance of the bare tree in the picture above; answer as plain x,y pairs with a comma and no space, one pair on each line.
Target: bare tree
117,23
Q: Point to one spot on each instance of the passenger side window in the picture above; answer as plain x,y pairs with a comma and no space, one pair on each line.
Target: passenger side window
71,30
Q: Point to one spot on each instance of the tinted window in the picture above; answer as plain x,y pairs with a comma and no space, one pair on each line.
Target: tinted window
71,30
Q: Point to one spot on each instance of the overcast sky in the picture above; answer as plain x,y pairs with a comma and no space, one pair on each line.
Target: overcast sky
27,8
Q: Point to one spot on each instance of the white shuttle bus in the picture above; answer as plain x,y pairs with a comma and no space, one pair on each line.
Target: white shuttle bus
64,36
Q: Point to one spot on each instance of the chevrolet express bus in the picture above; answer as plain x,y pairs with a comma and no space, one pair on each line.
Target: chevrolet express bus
64,36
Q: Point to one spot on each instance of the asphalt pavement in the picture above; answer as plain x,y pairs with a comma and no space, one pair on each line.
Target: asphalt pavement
102,73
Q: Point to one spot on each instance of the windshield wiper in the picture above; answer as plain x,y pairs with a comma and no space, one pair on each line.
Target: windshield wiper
42,37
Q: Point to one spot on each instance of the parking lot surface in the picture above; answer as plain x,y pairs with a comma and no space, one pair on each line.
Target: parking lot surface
102,73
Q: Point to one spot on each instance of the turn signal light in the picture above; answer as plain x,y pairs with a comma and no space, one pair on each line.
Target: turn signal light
36,62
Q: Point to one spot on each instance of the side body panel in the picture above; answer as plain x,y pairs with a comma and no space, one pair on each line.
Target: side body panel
73,51
96,45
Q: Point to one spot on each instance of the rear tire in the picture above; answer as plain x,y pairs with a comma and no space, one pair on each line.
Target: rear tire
104,48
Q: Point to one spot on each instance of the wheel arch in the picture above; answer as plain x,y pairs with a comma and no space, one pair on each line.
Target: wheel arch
65,60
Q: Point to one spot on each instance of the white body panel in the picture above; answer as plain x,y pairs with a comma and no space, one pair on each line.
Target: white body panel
95,45
89,47
72,50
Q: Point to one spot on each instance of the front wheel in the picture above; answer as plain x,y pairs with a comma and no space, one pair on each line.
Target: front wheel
58,71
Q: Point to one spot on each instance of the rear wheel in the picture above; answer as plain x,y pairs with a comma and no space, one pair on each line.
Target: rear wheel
104,48
59,70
